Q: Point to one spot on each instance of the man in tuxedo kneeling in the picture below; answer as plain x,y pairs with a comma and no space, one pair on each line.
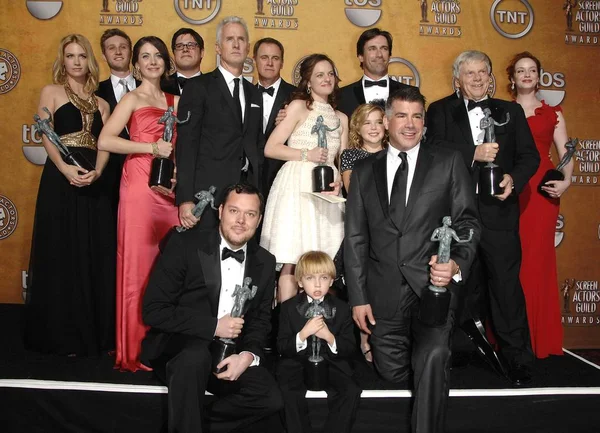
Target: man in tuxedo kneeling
187,304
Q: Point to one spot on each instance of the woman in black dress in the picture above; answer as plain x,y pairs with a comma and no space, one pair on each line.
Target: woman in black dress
70,296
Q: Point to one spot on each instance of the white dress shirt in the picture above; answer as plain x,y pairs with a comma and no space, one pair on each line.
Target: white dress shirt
475,116
179,74
269,101
118,88
376,92
232,274
393,163
301,345
231,84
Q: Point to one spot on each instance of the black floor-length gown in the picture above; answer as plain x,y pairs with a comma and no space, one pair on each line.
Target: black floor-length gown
70,305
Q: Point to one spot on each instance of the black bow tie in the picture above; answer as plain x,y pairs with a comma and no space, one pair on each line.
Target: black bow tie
237,255
270,90
182,81
380,83
484,103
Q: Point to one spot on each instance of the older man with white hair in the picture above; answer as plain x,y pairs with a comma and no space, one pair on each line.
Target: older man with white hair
455,122
223,143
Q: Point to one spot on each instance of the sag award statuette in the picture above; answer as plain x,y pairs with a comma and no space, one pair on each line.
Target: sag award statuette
436,300
204,198
70,157
322,173
316,372
221,348
491,174
163,169
555,173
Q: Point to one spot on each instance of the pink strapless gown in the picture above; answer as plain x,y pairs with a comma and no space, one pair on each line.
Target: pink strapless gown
144,218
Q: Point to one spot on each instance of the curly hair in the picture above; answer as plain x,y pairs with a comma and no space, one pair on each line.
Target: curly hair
510,69
355,140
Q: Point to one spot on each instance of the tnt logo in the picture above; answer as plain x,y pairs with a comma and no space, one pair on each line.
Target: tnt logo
513,19
197,12
404,71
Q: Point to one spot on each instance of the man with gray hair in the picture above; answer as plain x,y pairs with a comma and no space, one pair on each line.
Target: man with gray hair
223,143
455,122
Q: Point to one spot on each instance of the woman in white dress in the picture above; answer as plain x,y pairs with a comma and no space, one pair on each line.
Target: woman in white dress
296,221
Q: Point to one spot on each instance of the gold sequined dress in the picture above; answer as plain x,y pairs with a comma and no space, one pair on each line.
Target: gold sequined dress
70,305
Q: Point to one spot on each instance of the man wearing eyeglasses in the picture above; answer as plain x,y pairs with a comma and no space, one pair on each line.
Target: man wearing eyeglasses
188,49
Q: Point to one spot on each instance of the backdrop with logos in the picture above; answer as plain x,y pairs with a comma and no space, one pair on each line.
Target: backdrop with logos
428,34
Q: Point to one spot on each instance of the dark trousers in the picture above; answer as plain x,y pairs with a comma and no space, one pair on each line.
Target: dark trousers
343,398
185,367
500,255
403,341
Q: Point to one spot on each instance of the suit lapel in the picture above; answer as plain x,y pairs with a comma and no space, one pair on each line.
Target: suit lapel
358,92
497,111
380,176
421,169
109,92
248,97
279,99
211,269
461,117
253,267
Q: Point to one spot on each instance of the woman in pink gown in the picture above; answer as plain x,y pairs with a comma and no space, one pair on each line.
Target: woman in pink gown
537,223
145,214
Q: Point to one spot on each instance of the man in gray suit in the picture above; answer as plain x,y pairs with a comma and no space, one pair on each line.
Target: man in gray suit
398,198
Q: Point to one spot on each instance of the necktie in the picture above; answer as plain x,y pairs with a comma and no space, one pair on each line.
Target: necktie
237,255
380,83
484,103
398,196
236,97
182,81
123,82
269,90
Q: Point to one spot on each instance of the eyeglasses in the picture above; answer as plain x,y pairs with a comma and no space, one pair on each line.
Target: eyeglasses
190,46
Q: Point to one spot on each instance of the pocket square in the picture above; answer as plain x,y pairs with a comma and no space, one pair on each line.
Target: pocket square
254,106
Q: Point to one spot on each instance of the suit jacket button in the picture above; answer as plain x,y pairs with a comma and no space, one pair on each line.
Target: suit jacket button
403,264
399,234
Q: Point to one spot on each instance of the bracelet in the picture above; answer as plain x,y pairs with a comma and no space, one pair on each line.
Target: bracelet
304,155
155,149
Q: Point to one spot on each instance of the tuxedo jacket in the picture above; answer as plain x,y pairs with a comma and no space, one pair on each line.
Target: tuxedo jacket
380,251
182,296
170,85
211,146
106,92
448,124
341,326
353,95
272,166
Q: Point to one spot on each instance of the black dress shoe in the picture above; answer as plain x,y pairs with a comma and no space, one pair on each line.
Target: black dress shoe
519,375
461,359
